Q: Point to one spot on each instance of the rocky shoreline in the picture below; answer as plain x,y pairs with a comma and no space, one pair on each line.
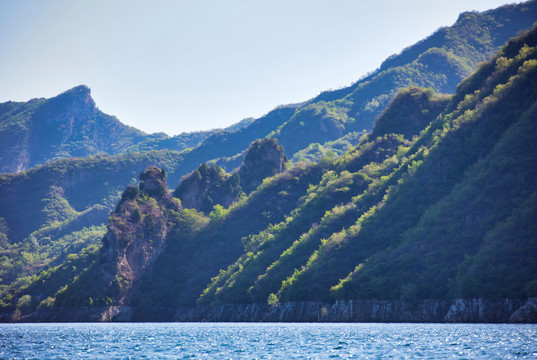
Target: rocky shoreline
435,311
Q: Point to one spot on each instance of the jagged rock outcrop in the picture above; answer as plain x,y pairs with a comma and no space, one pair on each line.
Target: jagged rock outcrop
526,313
210,185
136,236
136,232
264,158
153,183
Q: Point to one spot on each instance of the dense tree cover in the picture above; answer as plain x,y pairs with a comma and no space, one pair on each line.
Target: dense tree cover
222,241
60,208
405,218
330,149
410,111
42,269
459,192
435,210
320,120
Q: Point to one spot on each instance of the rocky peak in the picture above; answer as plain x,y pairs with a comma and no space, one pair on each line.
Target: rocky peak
210,184
207,186
153,181
264,158
136,234
74,102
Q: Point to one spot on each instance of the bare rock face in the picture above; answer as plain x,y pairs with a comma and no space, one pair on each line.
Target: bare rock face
527,313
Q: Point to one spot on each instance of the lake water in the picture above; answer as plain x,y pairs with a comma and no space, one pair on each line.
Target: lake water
268,341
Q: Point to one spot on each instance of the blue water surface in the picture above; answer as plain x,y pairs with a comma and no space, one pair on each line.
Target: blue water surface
267,341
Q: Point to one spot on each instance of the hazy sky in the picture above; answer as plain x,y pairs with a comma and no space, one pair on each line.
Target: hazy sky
177,66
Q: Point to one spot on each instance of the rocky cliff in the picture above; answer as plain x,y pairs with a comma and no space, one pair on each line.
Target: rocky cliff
436,311
136,236
208,186
68,125
264,158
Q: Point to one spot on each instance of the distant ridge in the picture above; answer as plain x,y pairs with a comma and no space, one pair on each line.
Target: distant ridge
70,125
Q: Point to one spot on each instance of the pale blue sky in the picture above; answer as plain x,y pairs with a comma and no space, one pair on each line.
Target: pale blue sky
177,66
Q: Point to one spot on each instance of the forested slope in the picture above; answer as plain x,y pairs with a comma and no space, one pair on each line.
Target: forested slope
436,202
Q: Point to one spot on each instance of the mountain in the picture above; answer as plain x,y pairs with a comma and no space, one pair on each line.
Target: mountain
439,62
67,125
422,222
428,195
405,219
436,203
70,125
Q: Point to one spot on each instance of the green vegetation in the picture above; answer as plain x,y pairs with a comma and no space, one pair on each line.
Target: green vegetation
208,186
438,62
459,191
437,202
329,150
70,125
410,112
395,218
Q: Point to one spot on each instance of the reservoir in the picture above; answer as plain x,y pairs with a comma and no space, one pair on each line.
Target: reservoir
268,341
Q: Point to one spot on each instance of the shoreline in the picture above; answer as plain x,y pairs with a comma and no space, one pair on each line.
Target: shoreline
341,311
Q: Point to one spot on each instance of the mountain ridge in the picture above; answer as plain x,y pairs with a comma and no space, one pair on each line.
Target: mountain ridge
440,61
404,215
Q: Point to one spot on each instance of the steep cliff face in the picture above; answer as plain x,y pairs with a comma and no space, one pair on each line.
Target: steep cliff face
432,311
436,311
136,236
137,232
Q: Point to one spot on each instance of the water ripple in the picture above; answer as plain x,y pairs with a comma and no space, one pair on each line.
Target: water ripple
267,341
